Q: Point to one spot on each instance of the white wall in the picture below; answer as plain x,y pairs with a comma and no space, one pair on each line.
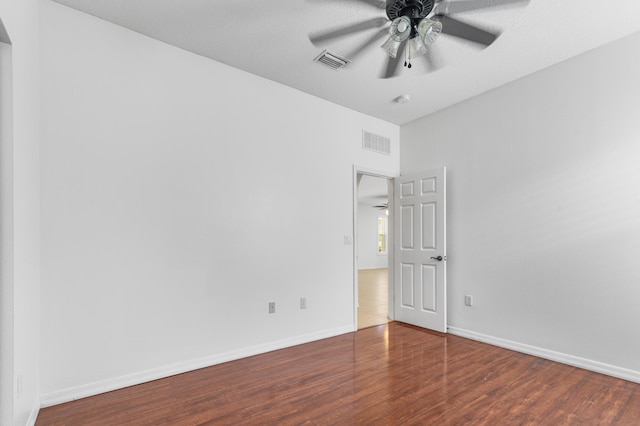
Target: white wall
6,230
544,206
368,256
179,197
19,364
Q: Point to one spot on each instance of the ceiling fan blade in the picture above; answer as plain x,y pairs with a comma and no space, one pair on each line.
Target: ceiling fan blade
432,59
457,28
378,4
320,37
460,6
367,43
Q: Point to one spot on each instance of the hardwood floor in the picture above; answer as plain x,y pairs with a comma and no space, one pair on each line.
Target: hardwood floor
373,297
387,375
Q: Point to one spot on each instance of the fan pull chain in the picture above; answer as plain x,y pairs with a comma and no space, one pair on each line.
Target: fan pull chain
407,61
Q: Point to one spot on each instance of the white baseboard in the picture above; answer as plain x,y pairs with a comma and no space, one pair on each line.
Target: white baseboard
102,386
587,364
33,416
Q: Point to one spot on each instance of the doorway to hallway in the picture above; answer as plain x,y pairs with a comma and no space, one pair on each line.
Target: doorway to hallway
373,249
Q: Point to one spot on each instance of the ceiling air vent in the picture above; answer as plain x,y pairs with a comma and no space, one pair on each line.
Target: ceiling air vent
332,60
376,143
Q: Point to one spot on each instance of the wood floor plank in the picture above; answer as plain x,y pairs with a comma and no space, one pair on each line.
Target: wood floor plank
386,375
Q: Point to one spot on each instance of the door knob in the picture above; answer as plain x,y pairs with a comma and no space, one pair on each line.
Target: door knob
439,258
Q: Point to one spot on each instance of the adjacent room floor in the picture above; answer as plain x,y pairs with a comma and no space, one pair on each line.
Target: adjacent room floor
373,297
393,374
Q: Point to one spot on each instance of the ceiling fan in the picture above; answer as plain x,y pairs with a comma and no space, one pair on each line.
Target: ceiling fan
414,25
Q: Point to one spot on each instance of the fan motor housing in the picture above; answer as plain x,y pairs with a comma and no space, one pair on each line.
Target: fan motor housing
412,9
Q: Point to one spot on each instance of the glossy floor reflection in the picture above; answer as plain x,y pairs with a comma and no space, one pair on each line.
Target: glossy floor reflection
392,374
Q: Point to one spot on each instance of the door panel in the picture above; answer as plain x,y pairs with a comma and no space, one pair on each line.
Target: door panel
429,296
407,231
429,226
420,207
407,281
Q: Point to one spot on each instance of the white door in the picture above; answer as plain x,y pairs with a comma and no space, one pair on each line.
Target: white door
421,250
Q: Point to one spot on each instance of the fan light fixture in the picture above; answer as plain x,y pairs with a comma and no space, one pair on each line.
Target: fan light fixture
410,21
429,30
420,36
417,47
399,31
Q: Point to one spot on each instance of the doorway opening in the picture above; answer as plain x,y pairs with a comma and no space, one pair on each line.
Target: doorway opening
373,250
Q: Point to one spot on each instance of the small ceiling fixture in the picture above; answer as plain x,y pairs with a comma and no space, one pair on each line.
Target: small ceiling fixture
403,99
415,26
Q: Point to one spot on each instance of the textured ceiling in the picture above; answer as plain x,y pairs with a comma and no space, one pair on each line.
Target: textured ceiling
271,39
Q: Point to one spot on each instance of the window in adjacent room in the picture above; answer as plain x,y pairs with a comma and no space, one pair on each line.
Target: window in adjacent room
382,235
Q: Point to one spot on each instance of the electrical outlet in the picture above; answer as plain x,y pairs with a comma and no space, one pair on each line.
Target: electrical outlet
303,303
272,307
468,300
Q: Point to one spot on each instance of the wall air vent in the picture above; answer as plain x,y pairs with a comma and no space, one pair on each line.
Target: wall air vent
376,143
332,60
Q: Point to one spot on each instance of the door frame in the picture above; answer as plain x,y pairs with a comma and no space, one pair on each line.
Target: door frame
390,240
